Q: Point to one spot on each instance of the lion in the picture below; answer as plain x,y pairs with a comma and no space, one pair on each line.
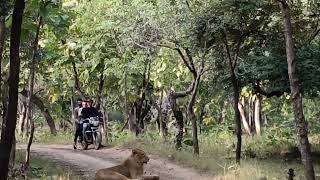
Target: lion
131,168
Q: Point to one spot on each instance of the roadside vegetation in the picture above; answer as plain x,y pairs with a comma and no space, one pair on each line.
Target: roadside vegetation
269,156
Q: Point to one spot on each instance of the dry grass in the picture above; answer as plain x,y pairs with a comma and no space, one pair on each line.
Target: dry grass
217,157
41,169
217,153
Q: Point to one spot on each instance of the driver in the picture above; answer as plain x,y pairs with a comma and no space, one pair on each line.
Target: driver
87,112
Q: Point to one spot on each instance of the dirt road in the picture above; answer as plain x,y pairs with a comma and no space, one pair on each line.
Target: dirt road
86,163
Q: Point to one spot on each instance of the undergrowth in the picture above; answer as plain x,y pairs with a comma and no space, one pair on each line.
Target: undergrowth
262,156
266,157
40,169
43,136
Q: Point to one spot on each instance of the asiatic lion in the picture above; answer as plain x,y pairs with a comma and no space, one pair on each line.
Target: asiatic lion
131,168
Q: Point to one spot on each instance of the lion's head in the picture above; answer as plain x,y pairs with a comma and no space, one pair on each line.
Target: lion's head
140,156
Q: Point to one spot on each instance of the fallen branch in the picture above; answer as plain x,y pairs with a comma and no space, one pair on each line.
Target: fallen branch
44,110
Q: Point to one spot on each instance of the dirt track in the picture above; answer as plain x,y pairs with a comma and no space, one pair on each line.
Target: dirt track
86,163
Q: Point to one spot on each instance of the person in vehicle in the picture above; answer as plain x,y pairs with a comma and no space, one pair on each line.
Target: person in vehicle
78,125
89,110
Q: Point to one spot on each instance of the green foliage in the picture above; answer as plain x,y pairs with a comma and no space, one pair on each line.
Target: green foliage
43,136
114,39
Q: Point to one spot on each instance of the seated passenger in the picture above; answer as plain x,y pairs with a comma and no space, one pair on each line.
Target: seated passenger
78,126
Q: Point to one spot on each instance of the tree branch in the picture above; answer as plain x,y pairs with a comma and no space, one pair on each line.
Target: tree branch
39,103
190,59
235,59
228,50
100,89
283,2
315,34
188,5
257,90
186,92
76,79
189,64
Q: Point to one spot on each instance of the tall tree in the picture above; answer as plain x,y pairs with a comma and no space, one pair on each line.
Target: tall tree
2,41
172,96
100,89
11,114
301,125
31,87
192,116
236,91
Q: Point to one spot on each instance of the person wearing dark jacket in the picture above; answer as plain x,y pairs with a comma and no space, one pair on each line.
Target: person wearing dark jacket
88,112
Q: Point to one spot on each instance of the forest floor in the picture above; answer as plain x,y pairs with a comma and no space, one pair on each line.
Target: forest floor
86,163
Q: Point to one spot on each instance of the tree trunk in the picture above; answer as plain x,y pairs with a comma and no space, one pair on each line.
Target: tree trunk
202,113
236,91
250,112
193,118
179,121
105,119
161,124
100,89
186,116
4,105
159,120
179,128
138,111
32,71
26,125
73,115
165,107
245,123
236,94
172,96
224,112
22,118
48,118
177,113
301,125
29,110
13,153
2,42
139,107
144,116
257,114
44,110
132,119
11,114
126,110
30,139
77,85
265,119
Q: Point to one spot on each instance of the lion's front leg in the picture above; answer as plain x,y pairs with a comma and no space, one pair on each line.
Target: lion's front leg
111,176
150,177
